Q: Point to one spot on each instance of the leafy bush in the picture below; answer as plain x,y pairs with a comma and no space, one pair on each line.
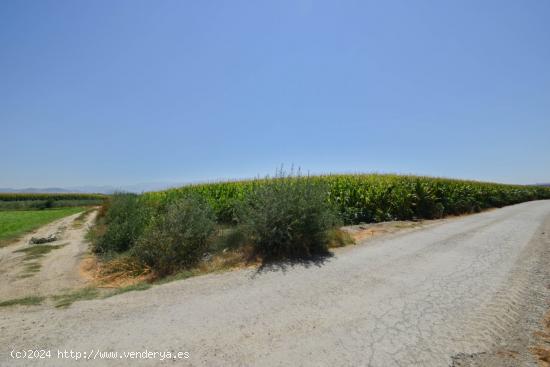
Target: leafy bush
178,237
288,217
125,221
283,217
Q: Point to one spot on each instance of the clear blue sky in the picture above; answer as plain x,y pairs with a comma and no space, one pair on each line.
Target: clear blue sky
121,92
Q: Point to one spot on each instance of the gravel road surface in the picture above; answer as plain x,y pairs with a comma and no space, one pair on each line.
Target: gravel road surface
465,291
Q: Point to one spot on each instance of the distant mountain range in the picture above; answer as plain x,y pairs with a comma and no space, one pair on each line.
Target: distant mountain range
137,188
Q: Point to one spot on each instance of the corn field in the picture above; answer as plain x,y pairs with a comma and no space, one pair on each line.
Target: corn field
373,197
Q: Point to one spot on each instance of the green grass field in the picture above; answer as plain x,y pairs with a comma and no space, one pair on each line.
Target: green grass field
16,223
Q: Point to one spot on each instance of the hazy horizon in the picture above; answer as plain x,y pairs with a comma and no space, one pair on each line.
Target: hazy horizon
155,186
133,92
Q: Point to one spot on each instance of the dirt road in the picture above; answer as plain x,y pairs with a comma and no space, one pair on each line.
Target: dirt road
53,272
467,291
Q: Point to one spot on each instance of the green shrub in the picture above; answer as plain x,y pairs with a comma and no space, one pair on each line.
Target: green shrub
288,217
178,237
125,221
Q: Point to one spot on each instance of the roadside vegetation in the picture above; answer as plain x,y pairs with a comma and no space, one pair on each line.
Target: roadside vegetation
179,233
288,217
15,223
208,227
17,201
26,301
67,299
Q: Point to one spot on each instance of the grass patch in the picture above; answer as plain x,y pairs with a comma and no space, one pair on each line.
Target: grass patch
35,252
184,274
30,269
26,301
33,267
141,286
89,293
38,251
67,299
81,219
25,275
14,224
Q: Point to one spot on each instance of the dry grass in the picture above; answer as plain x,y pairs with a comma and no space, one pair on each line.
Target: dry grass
340,238
542,351
121,271
229,259
124,273
362,232
543,356
67,299
141,286
507,353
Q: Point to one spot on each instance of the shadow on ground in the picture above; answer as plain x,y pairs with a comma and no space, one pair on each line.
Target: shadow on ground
285,265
